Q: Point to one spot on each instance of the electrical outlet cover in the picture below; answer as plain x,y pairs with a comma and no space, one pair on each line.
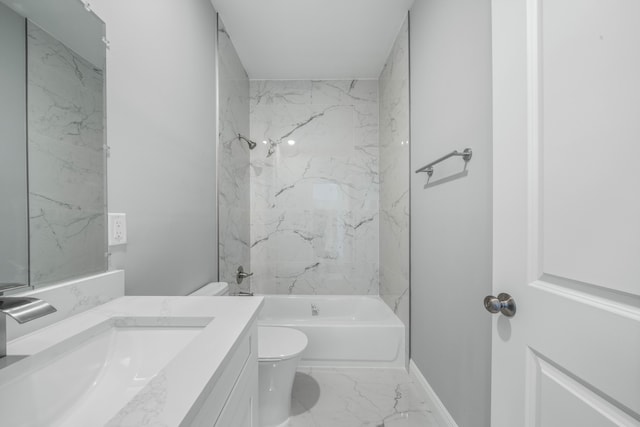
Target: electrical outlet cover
117,229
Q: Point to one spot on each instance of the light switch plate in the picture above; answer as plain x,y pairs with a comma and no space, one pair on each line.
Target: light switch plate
117,229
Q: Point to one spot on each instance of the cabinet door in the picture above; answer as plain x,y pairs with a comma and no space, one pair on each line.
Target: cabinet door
241,409
232,402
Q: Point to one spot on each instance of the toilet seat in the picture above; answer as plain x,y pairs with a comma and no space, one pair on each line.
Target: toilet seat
277,343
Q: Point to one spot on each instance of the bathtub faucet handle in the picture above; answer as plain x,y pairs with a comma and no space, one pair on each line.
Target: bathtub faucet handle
241,275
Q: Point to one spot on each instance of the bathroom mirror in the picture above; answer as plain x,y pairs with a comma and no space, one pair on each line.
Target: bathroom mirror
13,165
55,118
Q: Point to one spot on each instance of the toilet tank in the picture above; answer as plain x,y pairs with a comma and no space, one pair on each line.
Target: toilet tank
212,289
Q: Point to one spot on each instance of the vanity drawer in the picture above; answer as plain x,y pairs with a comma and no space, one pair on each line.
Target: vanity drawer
244,359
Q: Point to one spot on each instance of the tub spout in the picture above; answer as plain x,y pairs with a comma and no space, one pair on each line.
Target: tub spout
245,294
22,309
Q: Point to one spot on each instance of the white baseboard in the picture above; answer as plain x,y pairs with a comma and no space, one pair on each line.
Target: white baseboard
442,416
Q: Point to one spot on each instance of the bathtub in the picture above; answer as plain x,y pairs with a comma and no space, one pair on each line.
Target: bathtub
344,331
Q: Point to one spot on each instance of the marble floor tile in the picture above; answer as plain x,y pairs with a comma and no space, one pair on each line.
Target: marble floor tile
361,397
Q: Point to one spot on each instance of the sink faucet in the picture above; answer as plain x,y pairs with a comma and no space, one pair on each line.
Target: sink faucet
22,309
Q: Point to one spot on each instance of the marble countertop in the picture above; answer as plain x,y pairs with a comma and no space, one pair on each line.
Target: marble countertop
178,391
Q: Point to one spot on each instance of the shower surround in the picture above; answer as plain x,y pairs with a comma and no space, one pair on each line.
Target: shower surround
394,179
315,187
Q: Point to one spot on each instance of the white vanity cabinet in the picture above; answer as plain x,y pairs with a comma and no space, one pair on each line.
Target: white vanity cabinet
209,379
233,400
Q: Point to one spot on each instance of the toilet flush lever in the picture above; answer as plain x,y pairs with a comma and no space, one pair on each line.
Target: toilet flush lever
241,275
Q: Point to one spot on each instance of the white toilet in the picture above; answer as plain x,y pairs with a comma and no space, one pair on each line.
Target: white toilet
279,351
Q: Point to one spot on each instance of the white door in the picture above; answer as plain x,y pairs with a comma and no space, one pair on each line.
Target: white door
567,212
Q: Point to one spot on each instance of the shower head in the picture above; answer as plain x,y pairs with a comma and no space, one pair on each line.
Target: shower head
252,144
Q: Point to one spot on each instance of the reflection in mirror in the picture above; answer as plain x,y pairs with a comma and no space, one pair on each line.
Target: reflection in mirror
13,161
64,99
66,161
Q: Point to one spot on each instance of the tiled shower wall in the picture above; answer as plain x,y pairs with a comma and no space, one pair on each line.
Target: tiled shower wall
315,187
233,162
394,179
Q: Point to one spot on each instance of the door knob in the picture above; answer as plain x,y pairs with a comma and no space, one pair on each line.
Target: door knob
504,304
241,275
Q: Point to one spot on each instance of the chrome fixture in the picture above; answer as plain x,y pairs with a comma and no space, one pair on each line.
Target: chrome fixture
22,309
314,310
504,304
252,144
244,294
466,156
241,275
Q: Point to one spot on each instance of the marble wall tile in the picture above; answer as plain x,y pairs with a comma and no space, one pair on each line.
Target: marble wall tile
394,179
70,298
314,187
344,92
289,92
233,163
67,203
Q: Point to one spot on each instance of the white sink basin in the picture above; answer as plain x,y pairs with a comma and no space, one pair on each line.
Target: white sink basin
86,379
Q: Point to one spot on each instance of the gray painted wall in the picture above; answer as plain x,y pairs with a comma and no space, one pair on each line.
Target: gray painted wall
161,116
451,223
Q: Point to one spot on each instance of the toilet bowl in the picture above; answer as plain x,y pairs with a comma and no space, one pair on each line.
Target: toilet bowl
279,351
